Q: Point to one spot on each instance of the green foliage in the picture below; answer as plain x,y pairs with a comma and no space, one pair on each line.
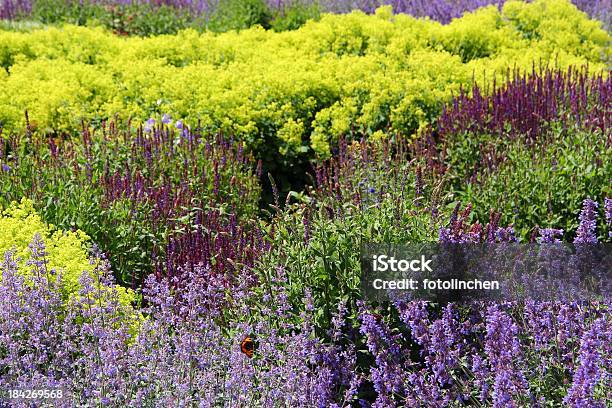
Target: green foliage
137,19
329,264
294,16
239,14
317,239
60,11
535,185
67,252
146,19
20,25
291,92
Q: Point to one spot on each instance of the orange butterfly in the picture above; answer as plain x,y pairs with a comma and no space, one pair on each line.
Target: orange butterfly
247,346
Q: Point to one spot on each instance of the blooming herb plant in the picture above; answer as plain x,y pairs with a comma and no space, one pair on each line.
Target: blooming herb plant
205,250
187,348
139,194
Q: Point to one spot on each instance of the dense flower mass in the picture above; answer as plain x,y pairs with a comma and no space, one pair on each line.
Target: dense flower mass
549,123
89,351
293,93
527,103
186,219
30,241
528,107
480,352
135,193
593,344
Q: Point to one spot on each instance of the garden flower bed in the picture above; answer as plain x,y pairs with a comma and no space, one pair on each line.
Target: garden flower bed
184,213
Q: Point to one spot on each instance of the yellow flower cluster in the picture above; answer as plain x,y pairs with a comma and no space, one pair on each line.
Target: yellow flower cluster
66,251
292,90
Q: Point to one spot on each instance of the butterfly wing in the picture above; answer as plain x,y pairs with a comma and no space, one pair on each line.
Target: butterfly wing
247,347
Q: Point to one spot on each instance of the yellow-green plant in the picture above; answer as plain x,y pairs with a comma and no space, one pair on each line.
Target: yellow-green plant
292,91
66,251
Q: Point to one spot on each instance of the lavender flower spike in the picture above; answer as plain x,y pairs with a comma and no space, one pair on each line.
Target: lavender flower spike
608,207
588,216
589,373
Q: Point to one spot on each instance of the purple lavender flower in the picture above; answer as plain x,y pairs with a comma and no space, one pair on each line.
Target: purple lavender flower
481,372
503,348
549,235
166,119
588,222
506,234
608,209
540,320
389,375
179,124
6,167
180,351
443,354
13,9
503,388
591,369
180,355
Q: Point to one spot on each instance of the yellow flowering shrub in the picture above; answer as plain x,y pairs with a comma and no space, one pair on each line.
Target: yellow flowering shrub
67,251
291,90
